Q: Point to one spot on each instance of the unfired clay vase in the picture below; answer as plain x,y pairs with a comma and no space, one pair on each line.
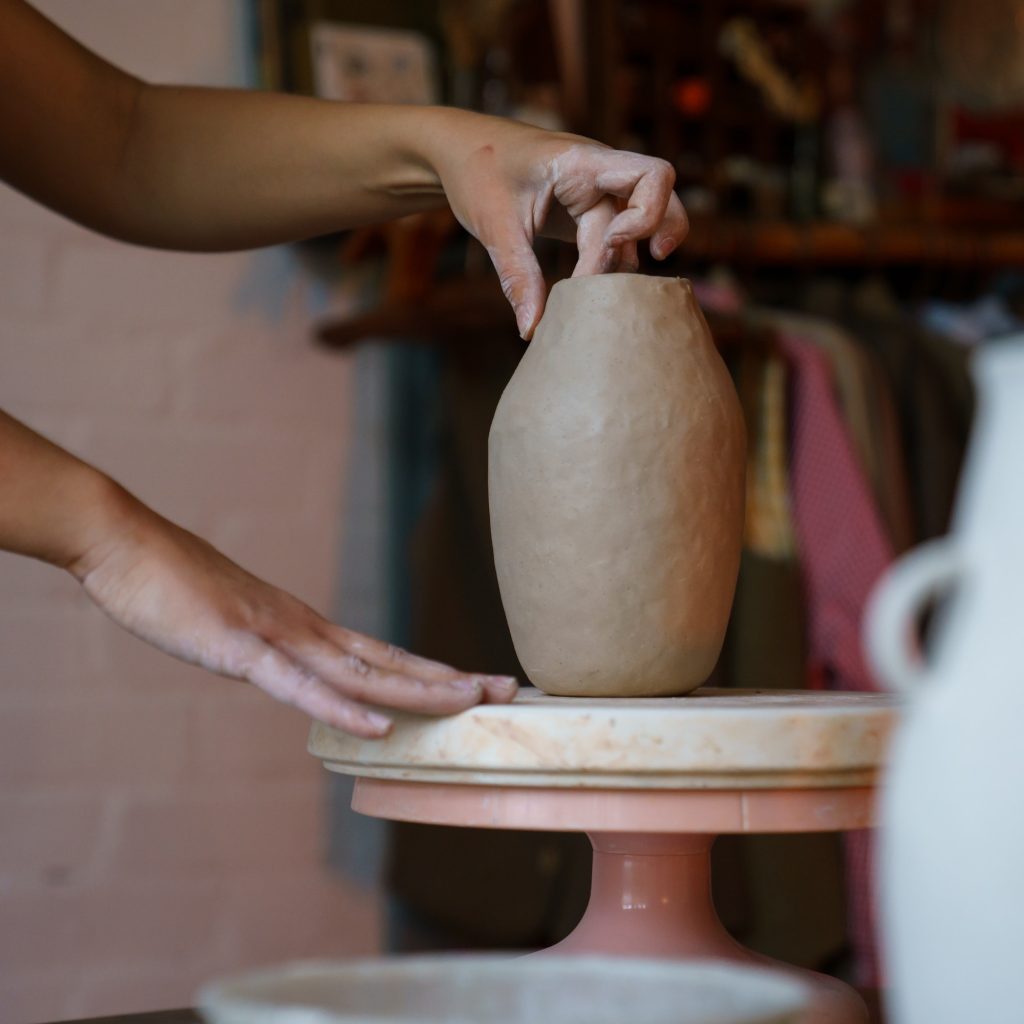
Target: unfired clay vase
616,491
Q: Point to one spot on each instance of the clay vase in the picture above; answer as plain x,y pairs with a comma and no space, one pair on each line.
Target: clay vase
616,491
952,840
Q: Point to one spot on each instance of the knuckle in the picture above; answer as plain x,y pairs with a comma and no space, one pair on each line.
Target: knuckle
511,284
356,644
647,218
304,681
417,687
357,666
394,653
569,160
665,171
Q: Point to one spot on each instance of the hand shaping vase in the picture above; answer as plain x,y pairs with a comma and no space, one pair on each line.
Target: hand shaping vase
616,491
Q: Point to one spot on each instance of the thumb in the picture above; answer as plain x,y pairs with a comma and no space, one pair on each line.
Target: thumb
519,273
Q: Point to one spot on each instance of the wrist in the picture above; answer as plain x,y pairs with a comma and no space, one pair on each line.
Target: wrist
54,506
410,137
467,151
444,138
109,514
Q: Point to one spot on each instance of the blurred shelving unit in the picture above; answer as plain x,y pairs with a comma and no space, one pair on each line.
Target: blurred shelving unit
775,243
659,78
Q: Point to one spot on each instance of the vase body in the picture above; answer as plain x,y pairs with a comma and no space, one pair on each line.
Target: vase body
952,845
616,472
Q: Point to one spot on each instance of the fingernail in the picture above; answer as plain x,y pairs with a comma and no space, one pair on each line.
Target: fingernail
379,722
664,249
470,685
521,322
506,682
524,321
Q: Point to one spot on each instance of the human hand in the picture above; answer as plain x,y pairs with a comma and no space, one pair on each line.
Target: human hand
508,182
175,591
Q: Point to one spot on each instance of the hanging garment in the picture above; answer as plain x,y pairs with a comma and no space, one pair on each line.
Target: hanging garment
934,394
848,373
929,384
843,550
866,402
840,535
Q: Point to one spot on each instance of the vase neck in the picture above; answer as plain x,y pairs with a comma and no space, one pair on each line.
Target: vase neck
991,497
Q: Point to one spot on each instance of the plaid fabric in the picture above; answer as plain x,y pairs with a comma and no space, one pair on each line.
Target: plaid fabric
843,550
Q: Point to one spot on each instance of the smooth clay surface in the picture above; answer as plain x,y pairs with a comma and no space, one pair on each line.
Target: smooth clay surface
616,491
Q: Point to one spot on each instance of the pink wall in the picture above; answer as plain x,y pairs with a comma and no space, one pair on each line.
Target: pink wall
157,825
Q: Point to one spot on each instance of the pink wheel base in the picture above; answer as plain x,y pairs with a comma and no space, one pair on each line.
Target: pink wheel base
650,896
650,893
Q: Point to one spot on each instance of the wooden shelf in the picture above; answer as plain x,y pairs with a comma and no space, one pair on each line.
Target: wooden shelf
826,244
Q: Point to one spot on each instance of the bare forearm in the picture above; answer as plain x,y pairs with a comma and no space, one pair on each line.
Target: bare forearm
223,169
53,506
192,168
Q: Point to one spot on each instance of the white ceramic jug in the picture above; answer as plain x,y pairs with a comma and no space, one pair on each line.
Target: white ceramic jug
952,842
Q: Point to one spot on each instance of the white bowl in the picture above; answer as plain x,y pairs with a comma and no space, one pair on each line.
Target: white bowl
506,990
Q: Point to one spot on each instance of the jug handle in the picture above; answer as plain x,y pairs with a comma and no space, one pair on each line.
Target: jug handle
925,573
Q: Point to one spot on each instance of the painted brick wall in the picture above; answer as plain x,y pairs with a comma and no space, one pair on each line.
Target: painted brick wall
158,825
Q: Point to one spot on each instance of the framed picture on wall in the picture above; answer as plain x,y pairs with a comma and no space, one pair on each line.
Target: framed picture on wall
385,52
360,64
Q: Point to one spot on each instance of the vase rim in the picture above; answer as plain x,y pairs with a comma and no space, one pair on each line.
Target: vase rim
648,280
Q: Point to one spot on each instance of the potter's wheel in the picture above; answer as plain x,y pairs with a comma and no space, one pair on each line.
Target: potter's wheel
711,739
652,781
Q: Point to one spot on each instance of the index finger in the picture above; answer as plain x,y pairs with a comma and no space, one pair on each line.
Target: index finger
653,209
497,689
